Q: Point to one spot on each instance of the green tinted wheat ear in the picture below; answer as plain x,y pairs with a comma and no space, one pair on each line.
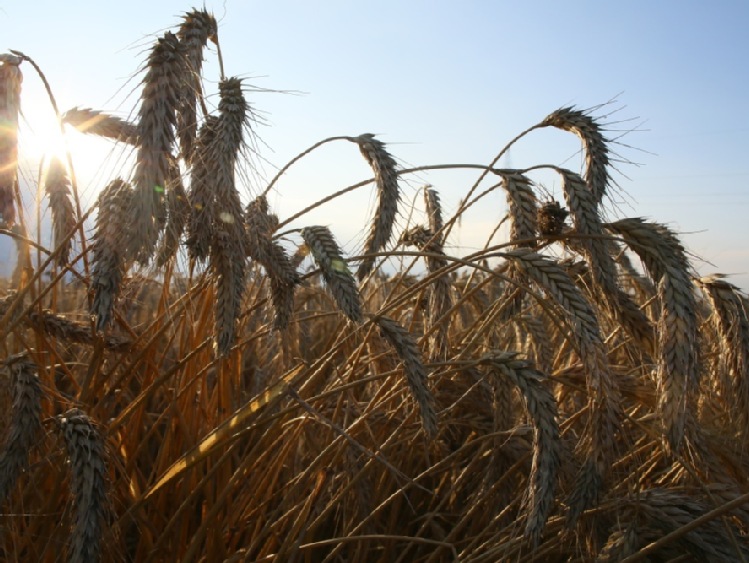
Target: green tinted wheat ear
198,27
416,374
25,422
156,122
109,250
678,365
594,143
57,186
542,409
334,270
10,106
85,449
94,122
384,168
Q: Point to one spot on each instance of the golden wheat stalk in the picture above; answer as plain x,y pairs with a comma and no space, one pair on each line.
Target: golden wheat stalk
10,107
25,422
85,449
87,120
388,195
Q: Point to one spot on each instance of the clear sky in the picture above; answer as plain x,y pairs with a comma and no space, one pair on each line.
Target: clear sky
445,82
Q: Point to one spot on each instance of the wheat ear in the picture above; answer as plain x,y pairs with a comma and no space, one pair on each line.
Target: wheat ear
156,123
201,198
57,186
542,409
384,168
604,398
10,107
678,366
228,260
25,422
87,120
109,249
178,209
197,28
416,375
85,450
594,143
334,270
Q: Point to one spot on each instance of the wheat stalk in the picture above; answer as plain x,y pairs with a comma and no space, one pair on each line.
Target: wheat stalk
334,270
388,195
85,450
25,421
10,107
87,120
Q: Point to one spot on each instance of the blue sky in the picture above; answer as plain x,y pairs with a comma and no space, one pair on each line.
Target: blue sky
445,82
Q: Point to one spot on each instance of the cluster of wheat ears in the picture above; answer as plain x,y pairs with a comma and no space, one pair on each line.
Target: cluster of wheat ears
253,397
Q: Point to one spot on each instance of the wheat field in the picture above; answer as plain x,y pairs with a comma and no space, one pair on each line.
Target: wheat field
187,376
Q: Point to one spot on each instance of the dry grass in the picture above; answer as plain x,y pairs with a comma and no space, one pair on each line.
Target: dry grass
259,394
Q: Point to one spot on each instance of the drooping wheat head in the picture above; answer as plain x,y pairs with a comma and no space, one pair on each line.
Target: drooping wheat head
87,120
388,195
335,271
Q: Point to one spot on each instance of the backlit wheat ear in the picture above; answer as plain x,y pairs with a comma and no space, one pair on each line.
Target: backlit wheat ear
109,250
584,213
388,195
198,27
57,186
416,375
25,422
156,122
731,318
603,392
272,256
85,450
678,365
178,209
542,409
201,198
10,106
94,122
228,258
594,143
334,270
433,209
522,207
